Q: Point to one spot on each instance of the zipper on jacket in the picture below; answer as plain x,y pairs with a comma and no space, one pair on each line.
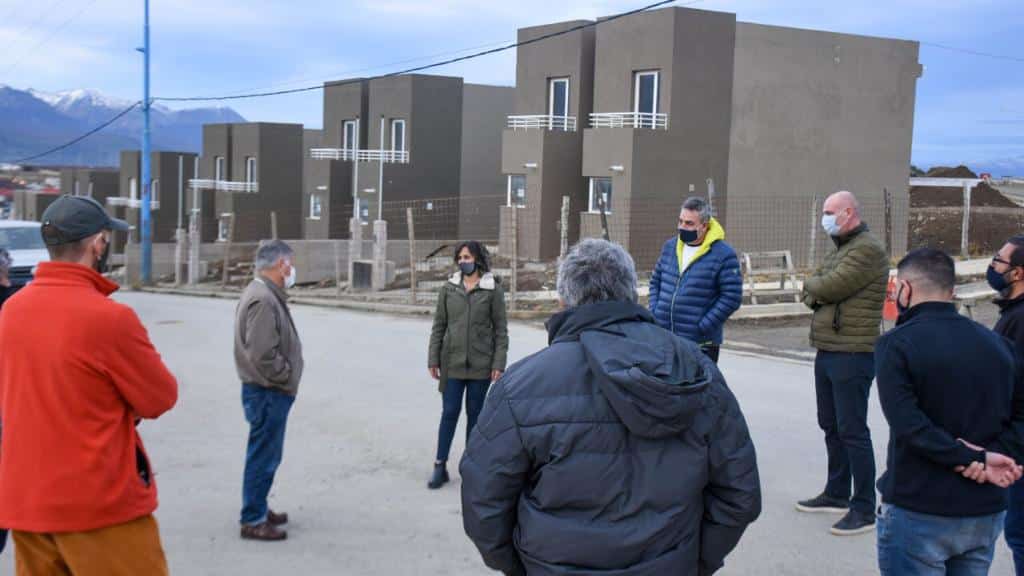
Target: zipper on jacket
672,308
469,322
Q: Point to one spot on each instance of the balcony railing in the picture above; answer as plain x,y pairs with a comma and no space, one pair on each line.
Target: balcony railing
131,202
387,156
225,186
657,121
542,122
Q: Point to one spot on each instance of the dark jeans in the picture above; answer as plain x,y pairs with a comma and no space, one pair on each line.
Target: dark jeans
1015,526
711,351
915,544
842,382
475,391
3,539
266,411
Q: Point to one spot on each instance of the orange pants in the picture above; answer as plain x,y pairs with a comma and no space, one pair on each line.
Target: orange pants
128,549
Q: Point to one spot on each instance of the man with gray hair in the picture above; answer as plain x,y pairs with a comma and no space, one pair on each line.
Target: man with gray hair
696,284
618,449
268,356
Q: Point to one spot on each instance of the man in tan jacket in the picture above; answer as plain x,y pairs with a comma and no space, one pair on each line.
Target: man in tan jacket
268,356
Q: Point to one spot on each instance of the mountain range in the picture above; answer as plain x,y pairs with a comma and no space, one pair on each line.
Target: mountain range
32,122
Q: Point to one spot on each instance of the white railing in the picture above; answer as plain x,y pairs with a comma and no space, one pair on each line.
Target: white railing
656,121
542,122
225,186
131,202
387,156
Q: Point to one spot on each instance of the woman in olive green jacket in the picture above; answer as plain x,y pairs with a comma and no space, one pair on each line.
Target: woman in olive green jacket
468,345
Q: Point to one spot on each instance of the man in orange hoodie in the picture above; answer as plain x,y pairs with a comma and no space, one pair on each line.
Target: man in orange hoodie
77,373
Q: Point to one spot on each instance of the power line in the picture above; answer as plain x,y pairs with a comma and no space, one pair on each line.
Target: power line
974,52
373,67
119,115
321,86
46,12
427,66
50,35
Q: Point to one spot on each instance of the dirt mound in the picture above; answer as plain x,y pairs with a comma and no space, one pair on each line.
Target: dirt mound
937,196
948,172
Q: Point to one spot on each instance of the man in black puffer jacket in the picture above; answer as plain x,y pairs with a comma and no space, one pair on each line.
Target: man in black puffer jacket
618,449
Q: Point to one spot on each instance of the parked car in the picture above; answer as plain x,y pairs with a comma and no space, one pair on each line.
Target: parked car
24,243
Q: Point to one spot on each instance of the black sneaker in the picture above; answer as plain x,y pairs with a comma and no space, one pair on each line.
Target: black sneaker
824,503
854,523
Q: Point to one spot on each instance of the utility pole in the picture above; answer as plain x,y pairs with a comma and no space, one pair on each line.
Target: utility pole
147,232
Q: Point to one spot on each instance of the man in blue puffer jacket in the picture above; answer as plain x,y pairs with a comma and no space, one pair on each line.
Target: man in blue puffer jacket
697,282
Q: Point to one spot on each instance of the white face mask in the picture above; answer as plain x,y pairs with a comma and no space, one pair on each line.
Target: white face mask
830,224
289,280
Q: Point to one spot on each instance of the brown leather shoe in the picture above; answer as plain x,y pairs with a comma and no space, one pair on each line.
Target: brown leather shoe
265,532
277,519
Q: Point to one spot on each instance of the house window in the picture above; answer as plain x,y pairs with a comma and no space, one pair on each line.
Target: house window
645,98
222,230
348,135
218,168
133,188
315,206
517,190
154,191
558,102
601,192
250,169
398,135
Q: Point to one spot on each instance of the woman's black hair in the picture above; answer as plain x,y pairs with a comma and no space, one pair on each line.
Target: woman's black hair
479,252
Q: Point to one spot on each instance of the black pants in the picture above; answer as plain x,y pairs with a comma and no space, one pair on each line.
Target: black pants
842,382
711,351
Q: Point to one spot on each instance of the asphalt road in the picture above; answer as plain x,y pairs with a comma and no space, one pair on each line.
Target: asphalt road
360,446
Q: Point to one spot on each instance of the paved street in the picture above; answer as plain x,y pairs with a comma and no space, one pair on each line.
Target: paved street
360,446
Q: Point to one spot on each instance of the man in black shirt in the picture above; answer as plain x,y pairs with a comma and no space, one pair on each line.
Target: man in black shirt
1006,276
953,394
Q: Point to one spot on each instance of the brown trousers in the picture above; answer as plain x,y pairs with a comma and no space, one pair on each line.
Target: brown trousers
129,549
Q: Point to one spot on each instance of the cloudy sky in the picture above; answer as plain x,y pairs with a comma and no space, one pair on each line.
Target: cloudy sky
969,107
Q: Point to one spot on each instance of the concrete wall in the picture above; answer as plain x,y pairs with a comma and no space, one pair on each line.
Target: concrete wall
693,52
557,154
343,100
315,260
279,167
815,112
482,186
216,142
30,205
432,109
163,169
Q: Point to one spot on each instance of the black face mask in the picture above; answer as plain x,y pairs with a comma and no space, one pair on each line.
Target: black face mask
900,306
101,264
688,236
467,268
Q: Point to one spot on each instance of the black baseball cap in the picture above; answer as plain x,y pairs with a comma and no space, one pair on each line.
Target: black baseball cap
72,218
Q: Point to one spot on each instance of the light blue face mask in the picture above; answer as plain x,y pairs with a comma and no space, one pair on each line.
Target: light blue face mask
830,224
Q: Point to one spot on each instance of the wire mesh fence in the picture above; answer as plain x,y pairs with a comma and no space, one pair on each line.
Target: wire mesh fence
538,234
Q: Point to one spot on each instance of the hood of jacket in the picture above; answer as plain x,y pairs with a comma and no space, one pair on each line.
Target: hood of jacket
487,280
714,234
653,380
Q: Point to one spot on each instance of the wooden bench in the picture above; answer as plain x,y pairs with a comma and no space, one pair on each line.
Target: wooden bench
770,264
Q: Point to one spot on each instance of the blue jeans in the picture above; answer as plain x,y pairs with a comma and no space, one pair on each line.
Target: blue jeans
266,410
1015,526
842,383
451,400
915,544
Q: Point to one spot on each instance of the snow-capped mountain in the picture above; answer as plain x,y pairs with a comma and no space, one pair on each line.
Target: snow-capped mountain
32,121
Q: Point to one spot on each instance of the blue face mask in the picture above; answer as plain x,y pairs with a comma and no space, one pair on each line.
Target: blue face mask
830,223
997,281
467,268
